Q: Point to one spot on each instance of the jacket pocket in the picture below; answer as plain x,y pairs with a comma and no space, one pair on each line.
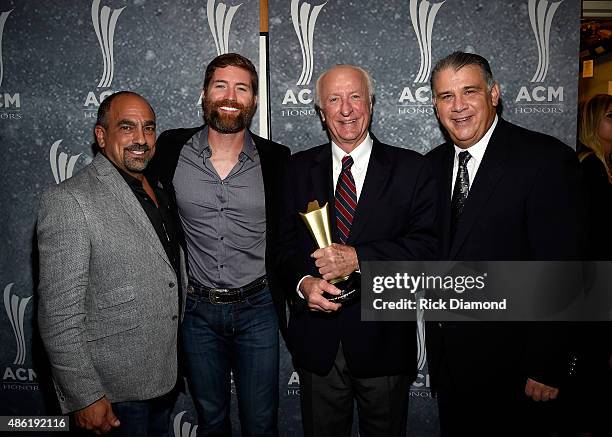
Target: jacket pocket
116,296
102,328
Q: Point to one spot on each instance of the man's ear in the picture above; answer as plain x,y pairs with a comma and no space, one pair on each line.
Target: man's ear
495,94
99,133
320,112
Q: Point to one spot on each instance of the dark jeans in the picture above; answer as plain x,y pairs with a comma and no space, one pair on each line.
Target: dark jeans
241,338
150,418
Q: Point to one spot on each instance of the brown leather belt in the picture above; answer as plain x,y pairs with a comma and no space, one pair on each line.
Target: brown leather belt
227,295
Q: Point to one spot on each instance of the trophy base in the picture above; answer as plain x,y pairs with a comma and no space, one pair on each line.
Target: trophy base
350,288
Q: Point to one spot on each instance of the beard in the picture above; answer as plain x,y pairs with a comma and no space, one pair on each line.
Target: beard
133,163
227,123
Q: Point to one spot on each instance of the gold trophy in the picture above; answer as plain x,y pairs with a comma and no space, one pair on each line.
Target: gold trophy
316,219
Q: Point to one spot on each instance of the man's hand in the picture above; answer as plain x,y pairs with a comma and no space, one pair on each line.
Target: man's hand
313,289
97,417
540,392
336,261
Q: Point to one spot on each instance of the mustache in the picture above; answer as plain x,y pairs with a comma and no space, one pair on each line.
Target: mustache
228,103
138,148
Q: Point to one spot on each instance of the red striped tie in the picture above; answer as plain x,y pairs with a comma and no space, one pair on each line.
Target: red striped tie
346,199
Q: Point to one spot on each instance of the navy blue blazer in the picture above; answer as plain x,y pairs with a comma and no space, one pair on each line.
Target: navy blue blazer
394,220
524,204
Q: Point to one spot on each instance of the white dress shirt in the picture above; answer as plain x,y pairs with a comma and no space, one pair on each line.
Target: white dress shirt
361,158
477,151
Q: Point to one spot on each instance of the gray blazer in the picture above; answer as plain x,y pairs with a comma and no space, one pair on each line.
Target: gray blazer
108,306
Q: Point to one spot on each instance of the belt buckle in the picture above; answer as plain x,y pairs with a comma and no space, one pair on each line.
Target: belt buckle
216,294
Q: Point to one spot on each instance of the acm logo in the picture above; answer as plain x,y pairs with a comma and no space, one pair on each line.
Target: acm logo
220,22
417,99
539,98
183,428
421,386
104,20
10,103
219,17
293,384
17,376
298,101
62,164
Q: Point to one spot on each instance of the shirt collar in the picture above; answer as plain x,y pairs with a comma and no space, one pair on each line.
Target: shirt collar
360,154
133,183
200,144
478,150
249,146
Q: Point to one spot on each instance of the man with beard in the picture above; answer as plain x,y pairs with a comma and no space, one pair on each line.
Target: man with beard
110,281
225,180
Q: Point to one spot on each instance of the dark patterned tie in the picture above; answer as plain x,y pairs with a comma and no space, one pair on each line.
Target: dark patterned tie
462,187
346,199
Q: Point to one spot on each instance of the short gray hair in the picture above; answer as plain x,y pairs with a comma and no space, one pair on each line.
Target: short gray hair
458,60
364,73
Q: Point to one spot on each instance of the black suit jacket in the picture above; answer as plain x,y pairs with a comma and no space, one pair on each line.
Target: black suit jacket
394,220
273,157
524,204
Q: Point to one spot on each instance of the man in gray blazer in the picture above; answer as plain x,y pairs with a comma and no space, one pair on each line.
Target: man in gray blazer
111,269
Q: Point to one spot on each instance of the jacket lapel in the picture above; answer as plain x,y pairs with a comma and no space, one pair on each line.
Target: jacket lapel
445,173
375,182
489,172
267,162
110,177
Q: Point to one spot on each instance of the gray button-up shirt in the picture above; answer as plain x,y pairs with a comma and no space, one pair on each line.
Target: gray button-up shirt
224,220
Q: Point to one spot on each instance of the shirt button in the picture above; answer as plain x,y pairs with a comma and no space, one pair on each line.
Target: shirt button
174,317
222,209
221,266
221,238
171,284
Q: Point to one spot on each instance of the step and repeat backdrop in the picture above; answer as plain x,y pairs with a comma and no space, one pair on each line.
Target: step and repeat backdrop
59,60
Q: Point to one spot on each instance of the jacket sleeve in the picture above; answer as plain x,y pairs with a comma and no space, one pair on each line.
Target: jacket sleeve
293,262
555,226
64,248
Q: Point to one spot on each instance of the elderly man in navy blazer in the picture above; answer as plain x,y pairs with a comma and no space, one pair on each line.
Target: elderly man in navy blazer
382,207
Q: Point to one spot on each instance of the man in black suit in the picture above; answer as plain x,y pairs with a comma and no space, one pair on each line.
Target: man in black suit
505,193
225,180
382,207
